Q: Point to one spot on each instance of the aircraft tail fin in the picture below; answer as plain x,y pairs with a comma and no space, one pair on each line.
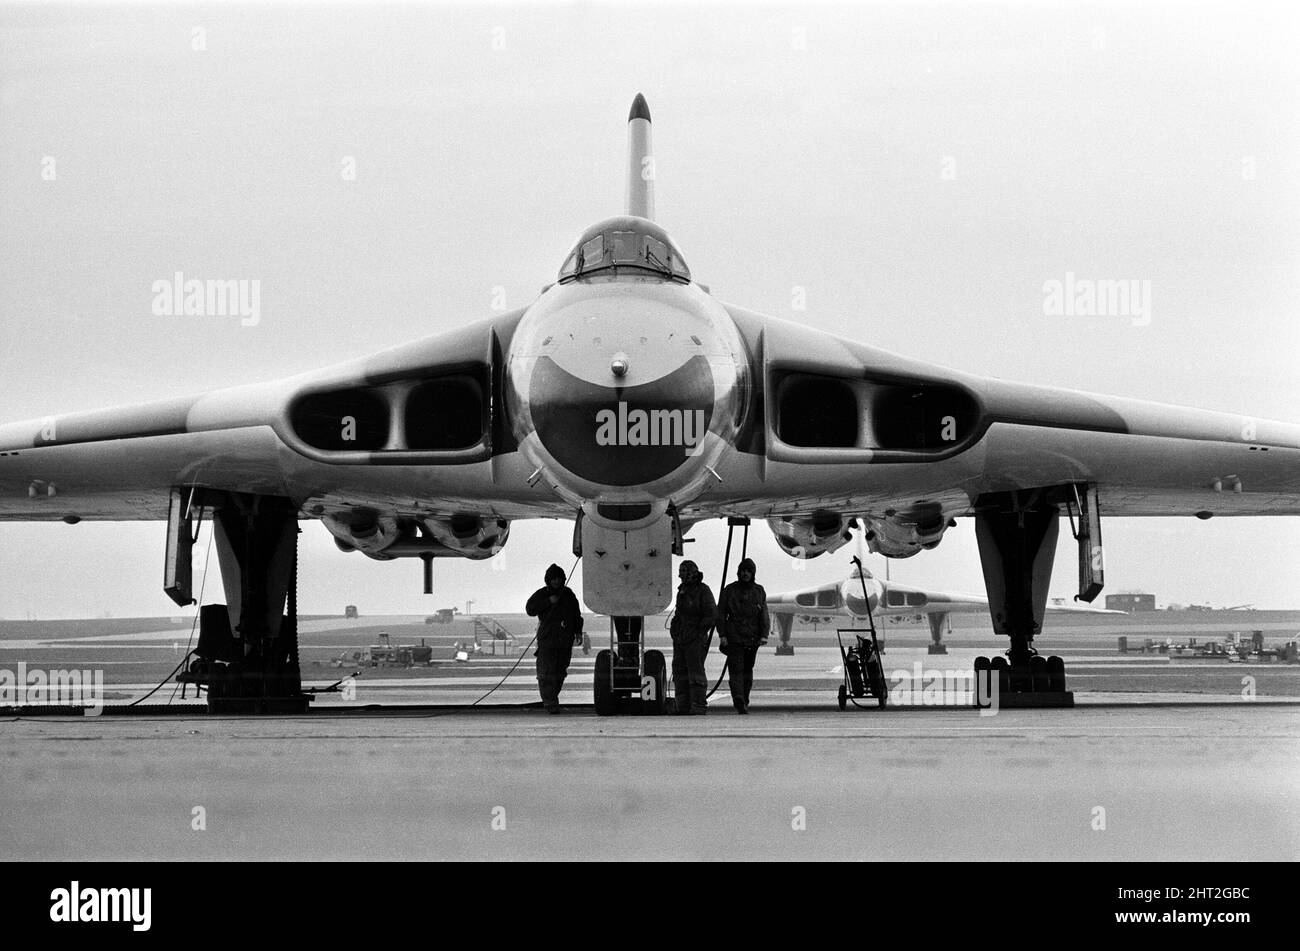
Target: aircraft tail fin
640,162
861,550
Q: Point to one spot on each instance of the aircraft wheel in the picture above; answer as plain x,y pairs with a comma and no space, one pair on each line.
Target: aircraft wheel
1002,670
1056,674
656,667
1039,679
844,697
1022,677
602,685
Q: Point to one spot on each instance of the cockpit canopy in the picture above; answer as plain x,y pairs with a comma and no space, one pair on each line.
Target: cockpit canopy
625,244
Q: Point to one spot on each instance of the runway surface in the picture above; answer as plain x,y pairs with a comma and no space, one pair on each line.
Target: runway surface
1163,758
1166,783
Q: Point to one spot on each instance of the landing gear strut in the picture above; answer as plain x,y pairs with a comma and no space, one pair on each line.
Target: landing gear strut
938,622
247,656
784,627
1017,534
629,678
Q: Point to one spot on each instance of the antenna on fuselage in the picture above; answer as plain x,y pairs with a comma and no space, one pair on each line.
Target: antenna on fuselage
640,162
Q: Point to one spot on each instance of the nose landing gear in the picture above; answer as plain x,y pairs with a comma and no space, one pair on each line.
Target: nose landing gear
629,679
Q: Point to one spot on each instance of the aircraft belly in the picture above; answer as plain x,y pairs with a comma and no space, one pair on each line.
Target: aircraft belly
748,488
627,572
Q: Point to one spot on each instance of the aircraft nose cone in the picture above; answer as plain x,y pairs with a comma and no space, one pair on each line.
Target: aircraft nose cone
620,435
851,592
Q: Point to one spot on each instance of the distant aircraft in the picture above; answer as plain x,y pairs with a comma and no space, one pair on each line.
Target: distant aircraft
887,599
630,400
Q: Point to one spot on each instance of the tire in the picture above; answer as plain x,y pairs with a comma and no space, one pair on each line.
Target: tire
1038,674
982,664
1002,668
844,697
602,684
655,666
1056,674
1022,677
215,639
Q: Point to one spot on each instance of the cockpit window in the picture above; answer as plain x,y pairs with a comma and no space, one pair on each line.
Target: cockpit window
592,254
625,249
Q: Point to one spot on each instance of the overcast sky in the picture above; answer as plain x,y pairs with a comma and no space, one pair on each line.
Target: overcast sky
917,172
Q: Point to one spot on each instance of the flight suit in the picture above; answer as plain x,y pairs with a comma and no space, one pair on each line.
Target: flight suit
559,626
743,620
693,615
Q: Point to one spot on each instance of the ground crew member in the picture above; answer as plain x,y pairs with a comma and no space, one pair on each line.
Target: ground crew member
559,627
742,625
692,617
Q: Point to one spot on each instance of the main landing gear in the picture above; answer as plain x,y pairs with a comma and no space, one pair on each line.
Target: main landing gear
784,624
1040,683
938,623
247,657
1017,534
629,679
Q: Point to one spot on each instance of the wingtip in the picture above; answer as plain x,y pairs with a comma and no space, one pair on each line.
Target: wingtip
639,109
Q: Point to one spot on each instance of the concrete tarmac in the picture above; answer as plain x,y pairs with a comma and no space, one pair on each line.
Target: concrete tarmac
1121,782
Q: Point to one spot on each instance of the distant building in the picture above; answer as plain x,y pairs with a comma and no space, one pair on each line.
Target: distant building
1131,602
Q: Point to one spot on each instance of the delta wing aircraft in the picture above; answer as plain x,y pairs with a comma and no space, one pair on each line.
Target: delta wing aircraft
861,595
630,400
